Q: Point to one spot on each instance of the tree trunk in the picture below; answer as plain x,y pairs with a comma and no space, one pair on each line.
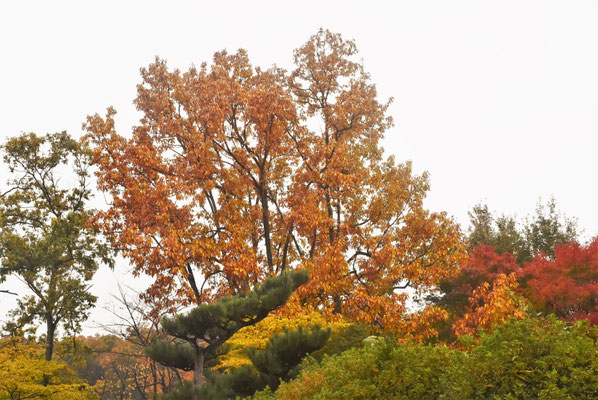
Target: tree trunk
198,371
50,331
266,222
338,306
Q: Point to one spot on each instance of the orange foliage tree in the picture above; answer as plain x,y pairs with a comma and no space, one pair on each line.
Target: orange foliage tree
491,306
236,173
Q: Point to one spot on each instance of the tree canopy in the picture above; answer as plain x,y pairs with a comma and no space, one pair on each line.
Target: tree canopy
236,173
45,239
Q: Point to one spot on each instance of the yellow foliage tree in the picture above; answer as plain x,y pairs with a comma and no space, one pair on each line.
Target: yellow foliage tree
24,374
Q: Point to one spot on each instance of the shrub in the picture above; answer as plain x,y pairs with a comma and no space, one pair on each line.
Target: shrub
523,359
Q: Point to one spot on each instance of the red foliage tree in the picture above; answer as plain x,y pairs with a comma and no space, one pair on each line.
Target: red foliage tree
567,285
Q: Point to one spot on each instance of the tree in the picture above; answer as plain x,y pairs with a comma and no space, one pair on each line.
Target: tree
343,335
116,368
45,239
203,330
502,233
548,229
541,232
236,173
128,372
24,374
489,307
278,362
483,267
502,245
566,285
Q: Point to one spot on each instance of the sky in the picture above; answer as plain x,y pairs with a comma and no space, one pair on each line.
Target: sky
497,100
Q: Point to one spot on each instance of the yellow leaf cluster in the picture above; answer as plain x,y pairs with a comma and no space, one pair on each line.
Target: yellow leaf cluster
25,374
257,336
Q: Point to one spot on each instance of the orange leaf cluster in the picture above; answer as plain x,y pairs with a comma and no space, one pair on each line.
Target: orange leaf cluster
492,306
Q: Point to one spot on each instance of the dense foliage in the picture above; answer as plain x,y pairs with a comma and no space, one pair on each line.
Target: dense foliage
525,359
25,374
567,284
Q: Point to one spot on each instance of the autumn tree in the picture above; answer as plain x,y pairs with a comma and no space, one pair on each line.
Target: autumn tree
503,245
45,239
483,267
116,364
236,173
128,370
566,285
492,305
24,374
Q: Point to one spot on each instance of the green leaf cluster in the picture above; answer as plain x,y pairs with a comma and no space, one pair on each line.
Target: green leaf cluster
540,232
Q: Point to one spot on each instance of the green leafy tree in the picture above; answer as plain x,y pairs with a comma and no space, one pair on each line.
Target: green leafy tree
547,229
204,329
481,230
541,232
500,232
45,240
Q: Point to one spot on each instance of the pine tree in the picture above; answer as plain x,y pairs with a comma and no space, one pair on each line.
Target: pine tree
202,331
278,361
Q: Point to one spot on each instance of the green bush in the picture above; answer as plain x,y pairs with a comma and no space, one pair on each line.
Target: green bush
525,359
528,359
379,371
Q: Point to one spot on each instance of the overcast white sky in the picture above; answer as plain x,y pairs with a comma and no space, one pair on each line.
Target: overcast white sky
497,100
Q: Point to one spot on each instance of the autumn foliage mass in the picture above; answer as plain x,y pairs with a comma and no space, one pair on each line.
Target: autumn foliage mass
288,254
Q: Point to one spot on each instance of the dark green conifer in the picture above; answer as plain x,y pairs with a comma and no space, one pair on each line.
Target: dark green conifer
278,361
200,333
